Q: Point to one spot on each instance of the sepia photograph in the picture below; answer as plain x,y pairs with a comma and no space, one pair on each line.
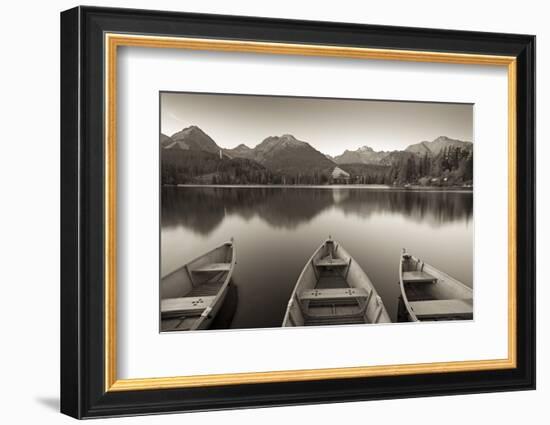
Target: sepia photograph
270,211
281,211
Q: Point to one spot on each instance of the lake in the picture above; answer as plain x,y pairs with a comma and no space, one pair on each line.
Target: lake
276,230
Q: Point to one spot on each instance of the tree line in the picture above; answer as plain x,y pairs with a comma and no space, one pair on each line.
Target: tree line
452,166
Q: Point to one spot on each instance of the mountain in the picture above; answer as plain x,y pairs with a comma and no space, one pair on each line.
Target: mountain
288,155
284,155
349,157
419,149
192,156
241,151
363,155
396,157
193,138
165,140
367,155
436,146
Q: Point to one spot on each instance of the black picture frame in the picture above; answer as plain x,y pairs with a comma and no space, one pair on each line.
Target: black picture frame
83,392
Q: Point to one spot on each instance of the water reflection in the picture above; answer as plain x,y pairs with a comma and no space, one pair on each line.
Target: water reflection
277,229
202,209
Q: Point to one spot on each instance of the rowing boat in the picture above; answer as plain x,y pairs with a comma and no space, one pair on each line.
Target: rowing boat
192,295
428,294
333,289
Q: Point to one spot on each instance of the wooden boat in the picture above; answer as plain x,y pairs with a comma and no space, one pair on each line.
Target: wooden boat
333,289
428,294
192,295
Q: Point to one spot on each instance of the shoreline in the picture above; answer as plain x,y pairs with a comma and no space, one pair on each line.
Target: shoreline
331,187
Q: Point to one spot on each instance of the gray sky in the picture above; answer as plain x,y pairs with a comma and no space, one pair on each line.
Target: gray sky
329,125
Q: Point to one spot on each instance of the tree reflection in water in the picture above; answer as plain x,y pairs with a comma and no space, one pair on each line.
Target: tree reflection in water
202,209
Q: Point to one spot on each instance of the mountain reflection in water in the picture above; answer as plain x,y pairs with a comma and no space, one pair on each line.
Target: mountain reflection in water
202,209
276,229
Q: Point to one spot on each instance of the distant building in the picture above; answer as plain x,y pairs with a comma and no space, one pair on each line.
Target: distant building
340,176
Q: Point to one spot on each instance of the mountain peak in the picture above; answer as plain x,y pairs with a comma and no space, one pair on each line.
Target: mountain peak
188,130
286,153
286,140
363,155
288,137
242,146
437,145
276,142
194,138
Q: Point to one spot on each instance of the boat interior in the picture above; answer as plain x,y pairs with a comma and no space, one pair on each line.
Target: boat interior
432,295
332,290
189,292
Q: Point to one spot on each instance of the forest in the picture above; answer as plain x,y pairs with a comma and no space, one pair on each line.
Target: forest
453,166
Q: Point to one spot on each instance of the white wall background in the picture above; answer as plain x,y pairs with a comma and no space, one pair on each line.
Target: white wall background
29,213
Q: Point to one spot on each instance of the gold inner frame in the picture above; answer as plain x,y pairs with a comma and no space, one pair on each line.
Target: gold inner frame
113,41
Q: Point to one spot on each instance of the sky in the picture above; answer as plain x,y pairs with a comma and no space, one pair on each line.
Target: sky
329,125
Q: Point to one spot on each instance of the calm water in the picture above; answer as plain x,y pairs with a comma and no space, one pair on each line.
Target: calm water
277,229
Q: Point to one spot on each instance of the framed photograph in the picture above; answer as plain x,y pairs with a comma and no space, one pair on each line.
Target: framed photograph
261,212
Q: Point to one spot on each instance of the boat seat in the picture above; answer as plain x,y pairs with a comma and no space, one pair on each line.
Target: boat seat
213,267
332,294
177,323
418,277
440,309
326,321
334,313
205,289
331,262
191,306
